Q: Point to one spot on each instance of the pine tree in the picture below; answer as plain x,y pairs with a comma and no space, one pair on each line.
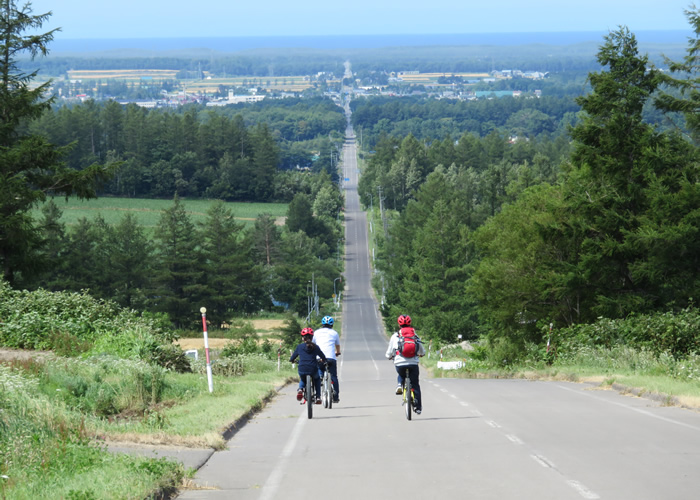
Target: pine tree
234,283
30,167
178,277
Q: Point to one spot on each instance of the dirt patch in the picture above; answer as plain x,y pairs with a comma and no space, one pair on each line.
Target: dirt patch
187,344
268,324
18,354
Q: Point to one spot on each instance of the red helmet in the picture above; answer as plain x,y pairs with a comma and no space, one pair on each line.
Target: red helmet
404,320
307,331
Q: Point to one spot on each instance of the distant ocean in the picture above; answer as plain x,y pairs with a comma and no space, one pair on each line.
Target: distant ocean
235,44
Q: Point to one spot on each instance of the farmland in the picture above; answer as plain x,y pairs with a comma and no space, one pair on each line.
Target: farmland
208,84
148,211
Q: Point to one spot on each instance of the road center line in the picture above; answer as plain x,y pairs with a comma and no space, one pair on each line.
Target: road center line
582,490
275,478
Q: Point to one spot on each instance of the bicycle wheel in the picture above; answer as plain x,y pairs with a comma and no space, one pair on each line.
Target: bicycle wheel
327,390
310,396
324,394
407,396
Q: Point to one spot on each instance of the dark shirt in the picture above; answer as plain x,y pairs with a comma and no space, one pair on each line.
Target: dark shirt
307,357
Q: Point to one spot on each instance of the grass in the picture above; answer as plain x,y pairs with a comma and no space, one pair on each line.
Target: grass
148,211
56,417
199,418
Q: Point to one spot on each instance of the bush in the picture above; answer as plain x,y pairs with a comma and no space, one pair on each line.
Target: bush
677,333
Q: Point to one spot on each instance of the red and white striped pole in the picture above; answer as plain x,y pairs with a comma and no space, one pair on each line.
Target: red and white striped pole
203,310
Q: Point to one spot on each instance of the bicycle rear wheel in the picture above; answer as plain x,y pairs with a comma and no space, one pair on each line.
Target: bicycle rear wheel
407,396
327,390
310,397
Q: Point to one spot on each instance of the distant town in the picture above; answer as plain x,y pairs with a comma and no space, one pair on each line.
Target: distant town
214,91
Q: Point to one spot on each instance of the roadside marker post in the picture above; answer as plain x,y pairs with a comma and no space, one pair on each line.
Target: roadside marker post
203,310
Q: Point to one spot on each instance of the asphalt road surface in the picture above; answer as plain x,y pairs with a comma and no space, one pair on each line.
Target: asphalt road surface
476,439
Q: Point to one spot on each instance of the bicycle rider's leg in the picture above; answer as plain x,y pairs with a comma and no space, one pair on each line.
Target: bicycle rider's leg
302,380
333,368
317,384
400,370
413,373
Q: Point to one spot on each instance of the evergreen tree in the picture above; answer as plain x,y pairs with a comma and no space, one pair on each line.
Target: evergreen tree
30,167
131,263
266,239
178,276
54,248
234,282
619,162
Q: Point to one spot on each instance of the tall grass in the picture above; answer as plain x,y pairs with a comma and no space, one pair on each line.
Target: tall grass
46,450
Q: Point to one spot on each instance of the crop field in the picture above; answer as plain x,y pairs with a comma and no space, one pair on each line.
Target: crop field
148,211
210,84
123,74
423,78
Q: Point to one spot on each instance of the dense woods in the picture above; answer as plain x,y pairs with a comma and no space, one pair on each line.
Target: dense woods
495,237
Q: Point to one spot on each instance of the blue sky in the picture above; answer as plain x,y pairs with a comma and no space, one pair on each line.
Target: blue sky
226,18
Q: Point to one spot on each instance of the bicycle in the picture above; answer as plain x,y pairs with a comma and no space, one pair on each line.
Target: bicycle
327,389
309,396
408,401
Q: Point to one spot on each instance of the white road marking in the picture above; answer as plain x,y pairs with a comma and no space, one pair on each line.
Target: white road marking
514,439
638,410
543,461
582,490
275,478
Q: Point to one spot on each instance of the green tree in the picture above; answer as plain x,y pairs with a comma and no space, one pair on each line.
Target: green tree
266,238
234,284
130,264
683,77
178,276
617,163
30,166
54,248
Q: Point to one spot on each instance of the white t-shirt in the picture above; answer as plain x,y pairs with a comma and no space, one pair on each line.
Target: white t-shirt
327,339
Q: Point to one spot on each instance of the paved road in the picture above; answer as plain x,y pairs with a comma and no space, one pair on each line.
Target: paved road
477,439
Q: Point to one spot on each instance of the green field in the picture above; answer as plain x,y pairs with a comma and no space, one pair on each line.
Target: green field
148,211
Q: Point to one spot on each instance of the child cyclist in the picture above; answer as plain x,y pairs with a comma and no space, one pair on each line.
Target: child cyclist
307,352
401,362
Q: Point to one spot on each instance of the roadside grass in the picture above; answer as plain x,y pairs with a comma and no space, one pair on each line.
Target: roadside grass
196,418
148,211
110,476
46,450
57,416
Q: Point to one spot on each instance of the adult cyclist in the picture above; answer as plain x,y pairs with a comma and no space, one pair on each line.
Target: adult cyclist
401,363
329,342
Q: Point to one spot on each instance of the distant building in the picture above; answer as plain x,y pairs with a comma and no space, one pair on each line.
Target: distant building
236,99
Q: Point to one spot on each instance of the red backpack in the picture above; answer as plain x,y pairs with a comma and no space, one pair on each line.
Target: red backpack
408,342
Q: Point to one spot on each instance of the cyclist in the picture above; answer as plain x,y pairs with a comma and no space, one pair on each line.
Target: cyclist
329,342
307,352
401,363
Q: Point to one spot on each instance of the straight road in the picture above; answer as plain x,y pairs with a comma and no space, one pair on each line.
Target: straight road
477,439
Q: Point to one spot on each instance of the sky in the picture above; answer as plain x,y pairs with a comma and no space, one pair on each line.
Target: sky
80,19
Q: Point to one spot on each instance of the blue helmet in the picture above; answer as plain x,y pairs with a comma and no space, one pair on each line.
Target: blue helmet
327,321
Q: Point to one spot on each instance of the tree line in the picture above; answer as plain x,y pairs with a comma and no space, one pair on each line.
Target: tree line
483,245
238,154
181,266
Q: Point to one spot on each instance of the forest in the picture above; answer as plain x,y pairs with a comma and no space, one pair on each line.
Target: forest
595,218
